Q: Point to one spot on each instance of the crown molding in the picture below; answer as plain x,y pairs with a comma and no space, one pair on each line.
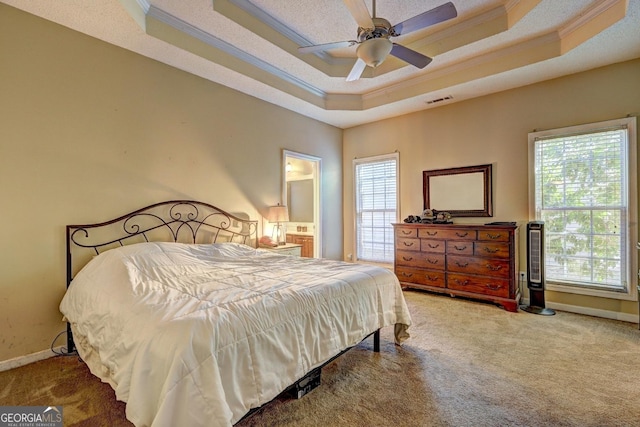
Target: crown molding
223,46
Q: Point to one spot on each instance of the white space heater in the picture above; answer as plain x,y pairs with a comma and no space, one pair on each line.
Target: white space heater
535,269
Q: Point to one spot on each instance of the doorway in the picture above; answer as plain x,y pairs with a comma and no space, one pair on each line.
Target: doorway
301,195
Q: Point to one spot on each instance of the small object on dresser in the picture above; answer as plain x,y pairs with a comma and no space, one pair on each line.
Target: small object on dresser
410,219
443,218
430,216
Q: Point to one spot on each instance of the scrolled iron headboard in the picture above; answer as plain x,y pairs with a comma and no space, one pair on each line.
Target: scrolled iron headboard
185,221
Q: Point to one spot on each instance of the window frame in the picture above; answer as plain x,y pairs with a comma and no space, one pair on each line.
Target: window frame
629,123
373,159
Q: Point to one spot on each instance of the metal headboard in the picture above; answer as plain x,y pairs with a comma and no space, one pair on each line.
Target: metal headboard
185,221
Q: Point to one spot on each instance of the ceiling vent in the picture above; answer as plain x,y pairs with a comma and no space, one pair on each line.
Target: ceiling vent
445,98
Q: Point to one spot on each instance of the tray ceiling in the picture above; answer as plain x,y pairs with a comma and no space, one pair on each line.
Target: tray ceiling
251,46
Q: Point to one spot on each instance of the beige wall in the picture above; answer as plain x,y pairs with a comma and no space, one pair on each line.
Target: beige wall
493,129
89,131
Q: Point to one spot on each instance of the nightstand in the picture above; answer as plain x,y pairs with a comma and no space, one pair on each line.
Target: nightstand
287,249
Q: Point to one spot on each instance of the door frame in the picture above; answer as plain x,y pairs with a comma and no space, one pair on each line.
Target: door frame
317,200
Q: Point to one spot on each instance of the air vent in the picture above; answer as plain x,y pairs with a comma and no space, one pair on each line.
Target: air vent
446,98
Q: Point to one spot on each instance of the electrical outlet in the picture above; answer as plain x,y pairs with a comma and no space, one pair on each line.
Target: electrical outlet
522,276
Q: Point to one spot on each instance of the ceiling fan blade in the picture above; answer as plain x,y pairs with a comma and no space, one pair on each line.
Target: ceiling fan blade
431,17
326,46
357,70
411,56
360,13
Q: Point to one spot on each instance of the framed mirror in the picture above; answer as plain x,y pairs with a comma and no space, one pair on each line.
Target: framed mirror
464,191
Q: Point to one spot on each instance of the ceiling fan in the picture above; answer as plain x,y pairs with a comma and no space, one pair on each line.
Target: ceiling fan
374,44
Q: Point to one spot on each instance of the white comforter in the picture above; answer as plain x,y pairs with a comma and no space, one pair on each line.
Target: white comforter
193,335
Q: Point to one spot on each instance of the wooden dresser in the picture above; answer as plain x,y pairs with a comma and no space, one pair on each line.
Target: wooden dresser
475,261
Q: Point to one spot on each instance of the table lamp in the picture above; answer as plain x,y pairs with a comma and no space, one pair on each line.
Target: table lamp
278,214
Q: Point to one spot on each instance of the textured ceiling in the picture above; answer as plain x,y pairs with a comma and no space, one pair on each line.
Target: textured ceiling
251,46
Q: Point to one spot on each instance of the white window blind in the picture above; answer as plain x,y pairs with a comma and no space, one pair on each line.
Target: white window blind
582,193
376,207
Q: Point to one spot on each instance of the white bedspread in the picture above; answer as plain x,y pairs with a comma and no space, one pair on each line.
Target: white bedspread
192,335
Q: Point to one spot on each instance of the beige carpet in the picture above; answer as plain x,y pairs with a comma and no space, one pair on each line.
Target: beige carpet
466,364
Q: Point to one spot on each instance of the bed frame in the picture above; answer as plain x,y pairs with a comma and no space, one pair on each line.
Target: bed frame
185,221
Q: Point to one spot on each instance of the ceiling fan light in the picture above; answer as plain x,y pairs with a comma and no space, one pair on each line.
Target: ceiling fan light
374,51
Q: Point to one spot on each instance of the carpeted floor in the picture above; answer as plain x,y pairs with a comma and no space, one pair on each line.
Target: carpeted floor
466,364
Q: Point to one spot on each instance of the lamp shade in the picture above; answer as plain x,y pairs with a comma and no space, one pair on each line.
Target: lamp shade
374,51
278,214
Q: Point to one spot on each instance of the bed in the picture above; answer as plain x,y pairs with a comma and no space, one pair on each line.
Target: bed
191,324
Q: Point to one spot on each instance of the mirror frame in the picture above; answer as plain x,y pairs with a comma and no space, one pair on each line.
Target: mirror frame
487,172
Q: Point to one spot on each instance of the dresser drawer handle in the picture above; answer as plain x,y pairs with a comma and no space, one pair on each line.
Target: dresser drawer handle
459,282
407,244
407,258
462,264
494,267
406,233
462,234
494,236
491,251
460,248
431,278
432,246
493,287
406,274
432,261
432,233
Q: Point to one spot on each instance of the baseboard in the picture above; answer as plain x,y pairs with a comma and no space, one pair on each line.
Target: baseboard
16,362
595,312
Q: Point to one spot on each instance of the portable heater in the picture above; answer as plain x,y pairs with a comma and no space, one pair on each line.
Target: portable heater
535,269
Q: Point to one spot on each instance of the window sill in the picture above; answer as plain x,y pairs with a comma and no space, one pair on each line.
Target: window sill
630,295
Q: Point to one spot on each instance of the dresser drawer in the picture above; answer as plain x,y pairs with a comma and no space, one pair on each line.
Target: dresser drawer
421,276
447,234
479,285
494,235
406,244
420,259
460,247
494,250
430,245
483,266
406,232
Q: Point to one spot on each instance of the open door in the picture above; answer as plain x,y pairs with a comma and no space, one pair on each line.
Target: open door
301,195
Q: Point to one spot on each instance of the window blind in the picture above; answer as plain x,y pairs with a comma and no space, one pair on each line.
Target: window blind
376,195
581,188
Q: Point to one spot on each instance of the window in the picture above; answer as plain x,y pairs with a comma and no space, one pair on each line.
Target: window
376,206
583,186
